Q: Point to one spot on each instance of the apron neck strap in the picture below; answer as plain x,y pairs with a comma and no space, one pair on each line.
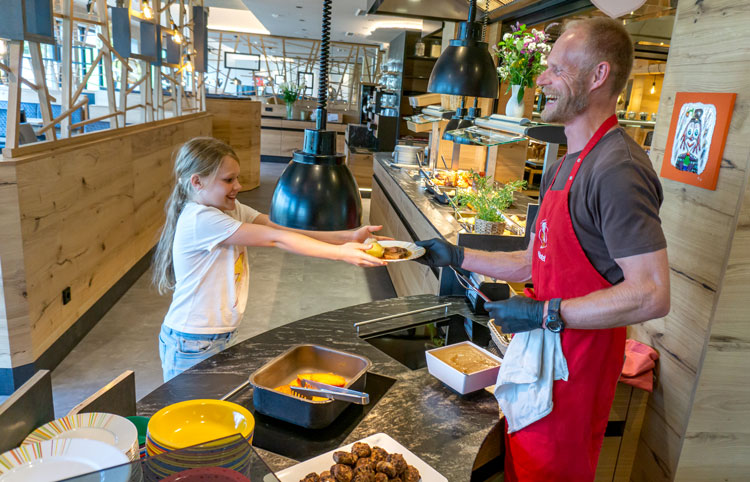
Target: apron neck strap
609,123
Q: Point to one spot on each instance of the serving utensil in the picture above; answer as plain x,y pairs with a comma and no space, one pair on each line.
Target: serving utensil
469,284
318,389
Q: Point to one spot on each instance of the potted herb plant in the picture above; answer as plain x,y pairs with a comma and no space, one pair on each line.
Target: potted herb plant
290,92
523,56
489,201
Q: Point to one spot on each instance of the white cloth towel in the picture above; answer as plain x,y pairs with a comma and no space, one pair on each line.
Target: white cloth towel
533,360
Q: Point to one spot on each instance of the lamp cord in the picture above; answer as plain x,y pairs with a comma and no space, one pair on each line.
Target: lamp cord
325,39
472,10
484,20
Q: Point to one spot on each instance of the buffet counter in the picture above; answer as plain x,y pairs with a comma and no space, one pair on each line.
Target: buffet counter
456,435
409,213
414,408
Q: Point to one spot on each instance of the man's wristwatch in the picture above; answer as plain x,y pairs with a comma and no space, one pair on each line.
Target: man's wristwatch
553,321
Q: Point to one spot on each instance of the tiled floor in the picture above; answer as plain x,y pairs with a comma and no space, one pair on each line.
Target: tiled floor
283,287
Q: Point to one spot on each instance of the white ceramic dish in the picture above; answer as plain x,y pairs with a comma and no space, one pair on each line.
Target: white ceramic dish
60,459
104,427
461,382
416,251
323,462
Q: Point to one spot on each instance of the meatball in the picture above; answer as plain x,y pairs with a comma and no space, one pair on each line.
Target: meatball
395,479
398,462
387,468
311,477
378,454
342,473
361,449
411,474
366,462
345,458
326,476
364,477
380,477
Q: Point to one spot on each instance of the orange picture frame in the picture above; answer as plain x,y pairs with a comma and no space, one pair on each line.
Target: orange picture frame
697,134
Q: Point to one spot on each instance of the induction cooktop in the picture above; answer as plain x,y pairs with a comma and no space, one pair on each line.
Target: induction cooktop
408,344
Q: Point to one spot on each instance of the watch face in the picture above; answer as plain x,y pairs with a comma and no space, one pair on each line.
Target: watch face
554,325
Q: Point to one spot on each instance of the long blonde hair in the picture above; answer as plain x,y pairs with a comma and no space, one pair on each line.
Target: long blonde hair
202,156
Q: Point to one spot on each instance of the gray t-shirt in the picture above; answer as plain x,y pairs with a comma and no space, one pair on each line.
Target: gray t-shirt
614,202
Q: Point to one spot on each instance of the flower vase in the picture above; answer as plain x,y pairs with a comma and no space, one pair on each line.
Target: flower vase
290,110
513,108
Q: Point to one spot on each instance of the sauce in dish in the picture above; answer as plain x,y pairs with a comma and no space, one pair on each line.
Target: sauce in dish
465,358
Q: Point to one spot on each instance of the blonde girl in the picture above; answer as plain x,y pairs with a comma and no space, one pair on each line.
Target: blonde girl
202,253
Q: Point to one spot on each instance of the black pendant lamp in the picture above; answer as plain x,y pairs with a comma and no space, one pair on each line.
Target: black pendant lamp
466,66
317,191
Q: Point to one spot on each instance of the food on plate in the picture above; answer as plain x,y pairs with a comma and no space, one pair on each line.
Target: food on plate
366,464
346,458
465,358
396,252
328,378
342,473
376,249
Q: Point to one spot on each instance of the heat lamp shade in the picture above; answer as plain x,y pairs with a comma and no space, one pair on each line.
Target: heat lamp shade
465,68
317,193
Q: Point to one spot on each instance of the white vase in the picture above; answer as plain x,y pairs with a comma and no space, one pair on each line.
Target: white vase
513,108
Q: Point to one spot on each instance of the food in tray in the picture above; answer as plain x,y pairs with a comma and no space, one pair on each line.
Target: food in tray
366,464
453,178
327,378
465,358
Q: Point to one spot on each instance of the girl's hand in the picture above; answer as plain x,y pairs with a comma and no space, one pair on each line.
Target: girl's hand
365,232
354,253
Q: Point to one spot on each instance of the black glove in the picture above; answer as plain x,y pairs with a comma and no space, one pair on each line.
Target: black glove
440,253
516,314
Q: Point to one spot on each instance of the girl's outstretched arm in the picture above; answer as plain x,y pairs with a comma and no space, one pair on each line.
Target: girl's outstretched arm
260,235
359,235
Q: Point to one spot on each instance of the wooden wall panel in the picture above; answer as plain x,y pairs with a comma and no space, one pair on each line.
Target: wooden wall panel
696,426
237,122
87,212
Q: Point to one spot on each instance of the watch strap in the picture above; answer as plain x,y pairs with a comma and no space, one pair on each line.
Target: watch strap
553,316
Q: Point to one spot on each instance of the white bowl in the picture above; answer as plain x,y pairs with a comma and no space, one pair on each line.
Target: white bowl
462,382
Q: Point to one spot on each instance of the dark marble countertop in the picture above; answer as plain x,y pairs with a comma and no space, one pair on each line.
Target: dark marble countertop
440,216
434,422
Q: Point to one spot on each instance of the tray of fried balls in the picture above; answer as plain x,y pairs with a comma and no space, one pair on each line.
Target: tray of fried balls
366,464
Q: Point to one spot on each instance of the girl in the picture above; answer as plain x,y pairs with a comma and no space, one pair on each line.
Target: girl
202,253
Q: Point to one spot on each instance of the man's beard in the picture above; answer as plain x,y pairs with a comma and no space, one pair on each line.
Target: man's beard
567,106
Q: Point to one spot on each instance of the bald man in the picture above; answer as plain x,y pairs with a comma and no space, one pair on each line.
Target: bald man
597,256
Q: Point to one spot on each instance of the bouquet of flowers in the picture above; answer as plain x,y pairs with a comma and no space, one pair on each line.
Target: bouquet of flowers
523,55
290,92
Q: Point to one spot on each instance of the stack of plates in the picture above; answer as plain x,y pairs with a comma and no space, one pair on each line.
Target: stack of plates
103,427
197,422
62,458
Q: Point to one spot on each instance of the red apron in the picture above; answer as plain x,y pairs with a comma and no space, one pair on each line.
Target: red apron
565,445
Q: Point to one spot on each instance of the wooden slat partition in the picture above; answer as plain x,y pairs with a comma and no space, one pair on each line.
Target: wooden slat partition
697,425
79,215
237,122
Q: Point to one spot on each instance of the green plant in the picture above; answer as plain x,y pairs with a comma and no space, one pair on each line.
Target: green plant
290,92
487,199
523,55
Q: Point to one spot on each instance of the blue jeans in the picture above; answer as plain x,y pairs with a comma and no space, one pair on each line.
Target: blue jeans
179,351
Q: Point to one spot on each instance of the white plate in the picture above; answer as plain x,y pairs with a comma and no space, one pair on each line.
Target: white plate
416,251
104,427
323,462
61,459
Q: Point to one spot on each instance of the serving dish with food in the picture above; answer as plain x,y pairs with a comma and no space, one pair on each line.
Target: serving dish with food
376,454
329,364
464,366
392,251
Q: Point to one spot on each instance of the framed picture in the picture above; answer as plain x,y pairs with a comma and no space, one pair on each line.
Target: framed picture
697,133
233,60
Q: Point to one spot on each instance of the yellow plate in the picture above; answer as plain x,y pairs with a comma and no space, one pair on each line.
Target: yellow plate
194,422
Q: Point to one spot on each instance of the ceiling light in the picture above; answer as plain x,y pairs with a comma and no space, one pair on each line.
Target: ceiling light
176,36
146,10
317,191
653,87
466,66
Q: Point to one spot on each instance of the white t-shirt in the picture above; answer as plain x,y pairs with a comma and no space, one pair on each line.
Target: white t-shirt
211,278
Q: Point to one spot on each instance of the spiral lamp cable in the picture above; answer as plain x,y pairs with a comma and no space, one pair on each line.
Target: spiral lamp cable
484,20
325,40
